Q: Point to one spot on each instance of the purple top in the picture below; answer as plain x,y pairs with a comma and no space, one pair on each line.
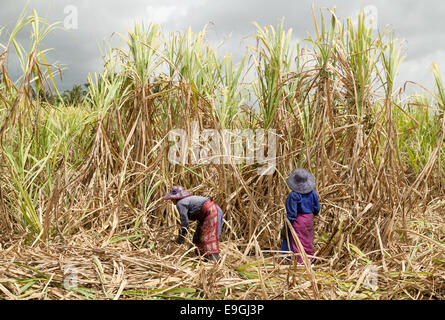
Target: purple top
297,203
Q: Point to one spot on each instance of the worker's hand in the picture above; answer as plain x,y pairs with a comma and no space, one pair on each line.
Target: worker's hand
181,236
180,239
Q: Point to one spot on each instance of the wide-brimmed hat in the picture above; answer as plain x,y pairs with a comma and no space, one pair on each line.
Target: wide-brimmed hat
176,193
301,181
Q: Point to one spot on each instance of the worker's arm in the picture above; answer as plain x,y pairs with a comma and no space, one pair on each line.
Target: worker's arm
292,201
317,206
184,218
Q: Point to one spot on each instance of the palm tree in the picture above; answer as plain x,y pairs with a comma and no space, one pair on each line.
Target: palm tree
74,96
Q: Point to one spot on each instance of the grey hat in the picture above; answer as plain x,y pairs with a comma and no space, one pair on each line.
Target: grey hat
301,181
177,193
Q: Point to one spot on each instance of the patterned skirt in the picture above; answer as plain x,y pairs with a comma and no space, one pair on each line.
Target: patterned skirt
304,228
207,241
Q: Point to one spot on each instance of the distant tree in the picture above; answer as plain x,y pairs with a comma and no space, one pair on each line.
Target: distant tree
75,96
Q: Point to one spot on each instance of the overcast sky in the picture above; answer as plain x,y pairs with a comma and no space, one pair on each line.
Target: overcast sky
419,23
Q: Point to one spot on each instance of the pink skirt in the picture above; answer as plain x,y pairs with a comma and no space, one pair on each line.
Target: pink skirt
304,228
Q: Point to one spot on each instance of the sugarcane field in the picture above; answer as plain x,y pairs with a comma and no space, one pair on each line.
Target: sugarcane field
296,168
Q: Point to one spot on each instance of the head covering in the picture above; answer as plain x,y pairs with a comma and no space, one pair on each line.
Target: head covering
177,193
301,181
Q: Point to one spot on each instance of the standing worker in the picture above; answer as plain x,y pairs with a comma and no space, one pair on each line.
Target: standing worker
302,204
209,216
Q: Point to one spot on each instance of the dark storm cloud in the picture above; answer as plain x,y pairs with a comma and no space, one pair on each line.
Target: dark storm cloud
417,23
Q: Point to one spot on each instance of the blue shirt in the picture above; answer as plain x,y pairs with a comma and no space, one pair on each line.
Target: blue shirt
297,203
